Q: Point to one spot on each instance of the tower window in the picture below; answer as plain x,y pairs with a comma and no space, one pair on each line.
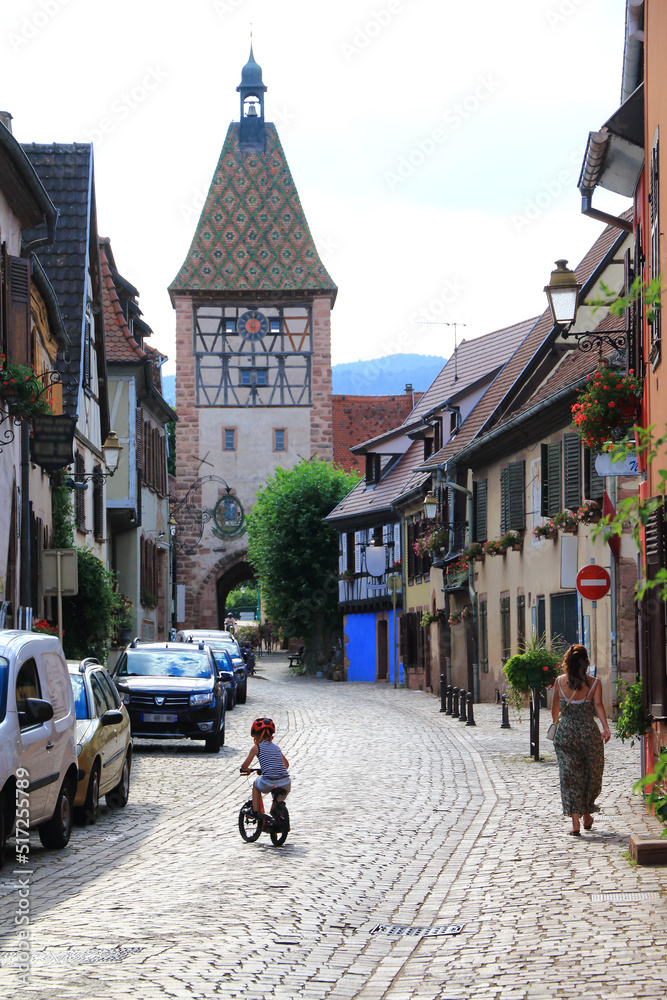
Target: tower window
279,439
254,376
229,439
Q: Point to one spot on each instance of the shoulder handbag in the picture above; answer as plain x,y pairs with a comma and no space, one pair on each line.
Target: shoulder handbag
551,731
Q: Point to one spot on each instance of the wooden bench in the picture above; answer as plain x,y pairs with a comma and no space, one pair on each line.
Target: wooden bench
296,659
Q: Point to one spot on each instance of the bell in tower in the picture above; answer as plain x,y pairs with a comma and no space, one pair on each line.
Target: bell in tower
252,135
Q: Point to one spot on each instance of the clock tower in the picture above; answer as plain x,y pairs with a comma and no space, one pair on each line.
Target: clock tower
253,353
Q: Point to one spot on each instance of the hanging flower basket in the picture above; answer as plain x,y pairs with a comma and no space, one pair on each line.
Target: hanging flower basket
590,512
432,539
22,391
607,407
459,617
494,548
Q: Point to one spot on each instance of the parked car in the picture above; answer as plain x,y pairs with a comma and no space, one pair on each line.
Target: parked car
171,690
227,672
37,739
220,639
104,744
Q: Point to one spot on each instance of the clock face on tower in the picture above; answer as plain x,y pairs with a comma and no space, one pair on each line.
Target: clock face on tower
252,325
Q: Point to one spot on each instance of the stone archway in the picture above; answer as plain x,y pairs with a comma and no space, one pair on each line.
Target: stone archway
236,574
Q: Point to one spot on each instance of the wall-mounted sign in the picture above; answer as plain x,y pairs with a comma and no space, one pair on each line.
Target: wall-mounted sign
51,445
627,466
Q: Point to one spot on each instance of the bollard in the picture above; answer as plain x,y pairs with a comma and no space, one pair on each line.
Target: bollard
463,717
505,724
455,703
449,700
443,693
471,717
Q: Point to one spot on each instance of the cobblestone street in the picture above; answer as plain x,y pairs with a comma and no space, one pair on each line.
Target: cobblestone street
400,816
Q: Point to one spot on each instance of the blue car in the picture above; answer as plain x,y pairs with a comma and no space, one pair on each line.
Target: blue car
227,673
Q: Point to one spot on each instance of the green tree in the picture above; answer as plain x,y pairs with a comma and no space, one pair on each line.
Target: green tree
89,618
295,553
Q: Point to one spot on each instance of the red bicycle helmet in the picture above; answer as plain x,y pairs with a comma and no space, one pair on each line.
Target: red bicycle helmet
262,727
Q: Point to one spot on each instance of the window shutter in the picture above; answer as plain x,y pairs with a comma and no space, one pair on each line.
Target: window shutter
139,431
87,354
17,275
593,483
550,502
98,504
79,495
480,508
410,531
572,467
504,500
654,202
516,496
652,611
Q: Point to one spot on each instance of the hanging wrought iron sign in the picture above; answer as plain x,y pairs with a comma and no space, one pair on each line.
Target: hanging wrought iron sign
52,441
189,519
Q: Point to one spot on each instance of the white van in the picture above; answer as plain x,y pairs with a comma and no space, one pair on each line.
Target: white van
37,739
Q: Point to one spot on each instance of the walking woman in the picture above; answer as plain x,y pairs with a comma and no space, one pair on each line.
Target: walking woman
577,699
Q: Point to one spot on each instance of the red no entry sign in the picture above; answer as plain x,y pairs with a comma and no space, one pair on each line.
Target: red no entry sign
593,582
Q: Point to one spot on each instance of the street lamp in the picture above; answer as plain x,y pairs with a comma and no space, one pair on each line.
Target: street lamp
111,450
563,298
430,505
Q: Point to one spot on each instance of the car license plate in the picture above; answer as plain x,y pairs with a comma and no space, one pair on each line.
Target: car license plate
151,717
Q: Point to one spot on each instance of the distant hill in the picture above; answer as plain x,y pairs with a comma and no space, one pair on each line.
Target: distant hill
379,377
386,376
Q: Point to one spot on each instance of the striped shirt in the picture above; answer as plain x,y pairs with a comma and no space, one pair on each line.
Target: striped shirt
271,761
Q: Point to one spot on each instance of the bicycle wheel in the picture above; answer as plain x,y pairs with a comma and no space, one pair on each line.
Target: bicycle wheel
279,834
249,828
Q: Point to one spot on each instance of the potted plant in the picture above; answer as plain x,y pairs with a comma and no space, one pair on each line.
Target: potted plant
566,521
474,551
427,619
346,576
149,601
547,530
607,406
537,666
494,547
632,722
512,540
22,391
41,625
455,618
590,512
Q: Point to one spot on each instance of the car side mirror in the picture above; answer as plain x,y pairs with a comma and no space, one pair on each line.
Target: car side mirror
37,711
113,717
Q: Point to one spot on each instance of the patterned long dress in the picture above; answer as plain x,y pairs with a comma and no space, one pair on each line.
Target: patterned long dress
580,754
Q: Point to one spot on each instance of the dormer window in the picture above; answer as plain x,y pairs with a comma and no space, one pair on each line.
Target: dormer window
373,469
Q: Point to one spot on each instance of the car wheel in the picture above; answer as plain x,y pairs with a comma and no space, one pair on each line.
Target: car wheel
118,796
88,813
242,693
232,701
215,740
57,831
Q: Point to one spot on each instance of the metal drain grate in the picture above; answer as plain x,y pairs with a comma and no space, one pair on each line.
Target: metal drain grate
68,956
405,930
624,897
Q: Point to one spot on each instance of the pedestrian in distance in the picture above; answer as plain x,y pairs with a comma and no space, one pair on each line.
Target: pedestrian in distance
579,745
272,761
230,623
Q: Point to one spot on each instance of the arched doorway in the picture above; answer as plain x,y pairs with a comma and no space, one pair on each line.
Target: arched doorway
241,572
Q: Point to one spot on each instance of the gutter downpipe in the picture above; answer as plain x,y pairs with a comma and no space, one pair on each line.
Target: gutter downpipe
471,585
404,588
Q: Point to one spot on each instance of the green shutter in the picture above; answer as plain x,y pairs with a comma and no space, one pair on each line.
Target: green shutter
572,469
517,496
504,501
553,490
480,508
593,483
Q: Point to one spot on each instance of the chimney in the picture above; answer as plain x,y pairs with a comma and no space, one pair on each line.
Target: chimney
6,119
408,388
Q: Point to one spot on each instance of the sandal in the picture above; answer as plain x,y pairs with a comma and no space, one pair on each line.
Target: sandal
587,826
574,833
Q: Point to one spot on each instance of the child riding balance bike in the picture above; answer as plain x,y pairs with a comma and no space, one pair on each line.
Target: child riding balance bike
273,776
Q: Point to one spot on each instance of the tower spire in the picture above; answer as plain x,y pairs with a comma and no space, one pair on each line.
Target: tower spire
252,134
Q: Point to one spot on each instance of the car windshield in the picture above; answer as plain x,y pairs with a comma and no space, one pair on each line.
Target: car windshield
4,676
80,700
164,663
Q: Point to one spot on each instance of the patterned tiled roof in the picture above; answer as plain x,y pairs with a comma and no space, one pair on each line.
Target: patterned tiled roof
252,234
504,389
357,418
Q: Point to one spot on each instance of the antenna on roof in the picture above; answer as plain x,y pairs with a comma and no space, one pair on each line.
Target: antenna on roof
426,322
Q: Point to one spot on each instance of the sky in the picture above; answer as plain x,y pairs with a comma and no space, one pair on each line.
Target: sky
435,144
